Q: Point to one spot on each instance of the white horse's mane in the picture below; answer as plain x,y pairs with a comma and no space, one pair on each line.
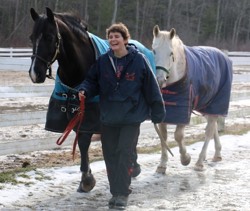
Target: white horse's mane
177,42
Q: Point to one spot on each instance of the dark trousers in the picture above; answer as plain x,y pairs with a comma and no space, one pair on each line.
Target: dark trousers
118,144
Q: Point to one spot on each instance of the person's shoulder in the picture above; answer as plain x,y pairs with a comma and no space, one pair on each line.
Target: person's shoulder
132,49
103,56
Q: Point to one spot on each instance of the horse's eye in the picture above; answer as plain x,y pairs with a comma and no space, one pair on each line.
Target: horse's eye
154,52
172,55
48,37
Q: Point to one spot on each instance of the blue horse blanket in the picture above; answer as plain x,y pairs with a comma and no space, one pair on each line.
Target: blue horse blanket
205,88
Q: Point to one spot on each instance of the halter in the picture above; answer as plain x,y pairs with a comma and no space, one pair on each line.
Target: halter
163,68
49,63
167,71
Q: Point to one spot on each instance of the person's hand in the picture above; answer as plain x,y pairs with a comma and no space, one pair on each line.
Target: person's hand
81,94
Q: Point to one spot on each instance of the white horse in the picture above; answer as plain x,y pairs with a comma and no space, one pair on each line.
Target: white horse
191,78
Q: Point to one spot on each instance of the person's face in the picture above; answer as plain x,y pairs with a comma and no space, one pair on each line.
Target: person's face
116,41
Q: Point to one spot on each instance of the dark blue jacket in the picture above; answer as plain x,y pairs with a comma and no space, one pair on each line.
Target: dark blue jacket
131,99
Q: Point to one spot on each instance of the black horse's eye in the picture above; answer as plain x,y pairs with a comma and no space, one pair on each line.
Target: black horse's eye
48,37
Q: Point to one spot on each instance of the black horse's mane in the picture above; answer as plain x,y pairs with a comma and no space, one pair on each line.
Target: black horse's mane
75,23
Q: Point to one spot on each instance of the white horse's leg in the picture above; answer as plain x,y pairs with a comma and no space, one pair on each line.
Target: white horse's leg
217,145
164,153
221,123
179,137
209,134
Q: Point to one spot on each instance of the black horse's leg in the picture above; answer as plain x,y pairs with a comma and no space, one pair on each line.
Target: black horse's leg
136,165
88,181
84,140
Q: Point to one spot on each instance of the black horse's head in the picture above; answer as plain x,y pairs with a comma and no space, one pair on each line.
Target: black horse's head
45,39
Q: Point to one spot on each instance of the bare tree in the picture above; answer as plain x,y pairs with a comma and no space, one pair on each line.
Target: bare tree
86,16
137,19
201,9
16,14
169,13
56,5
237,23
216,32
114,12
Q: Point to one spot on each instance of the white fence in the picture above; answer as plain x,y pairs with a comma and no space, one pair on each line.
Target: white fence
239,58
18,59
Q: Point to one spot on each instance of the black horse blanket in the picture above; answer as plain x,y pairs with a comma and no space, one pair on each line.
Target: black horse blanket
205,88
64,105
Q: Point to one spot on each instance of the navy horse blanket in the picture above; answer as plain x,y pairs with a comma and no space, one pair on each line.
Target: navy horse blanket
64,102
205,88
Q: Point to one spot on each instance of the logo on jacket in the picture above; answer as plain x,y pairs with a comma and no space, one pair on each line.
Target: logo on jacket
130,77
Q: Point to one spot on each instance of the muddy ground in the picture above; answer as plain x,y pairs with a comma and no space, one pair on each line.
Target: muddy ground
218,188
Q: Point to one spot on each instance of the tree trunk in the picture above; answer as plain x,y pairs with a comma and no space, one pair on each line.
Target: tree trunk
198,30
137,20
115,12
86,14
16,14
145,5
169,14
217,21
56,5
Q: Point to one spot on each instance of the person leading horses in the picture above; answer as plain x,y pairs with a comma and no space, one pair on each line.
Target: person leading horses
129,94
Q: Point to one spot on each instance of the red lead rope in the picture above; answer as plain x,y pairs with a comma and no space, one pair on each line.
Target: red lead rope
77,119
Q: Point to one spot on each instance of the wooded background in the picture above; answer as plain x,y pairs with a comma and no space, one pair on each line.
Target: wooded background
221,23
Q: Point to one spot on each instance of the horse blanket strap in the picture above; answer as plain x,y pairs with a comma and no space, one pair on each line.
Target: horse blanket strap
204,87
76,120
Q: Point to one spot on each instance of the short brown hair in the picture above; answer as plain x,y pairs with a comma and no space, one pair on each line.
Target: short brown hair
118,27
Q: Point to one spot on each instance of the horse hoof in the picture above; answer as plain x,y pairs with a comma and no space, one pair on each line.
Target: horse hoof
161,170
87,184
217,159
136,171
185,160
199,167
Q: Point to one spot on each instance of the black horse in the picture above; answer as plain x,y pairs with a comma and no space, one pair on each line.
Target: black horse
64,37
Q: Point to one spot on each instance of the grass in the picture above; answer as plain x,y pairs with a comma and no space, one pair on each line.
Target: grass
10,176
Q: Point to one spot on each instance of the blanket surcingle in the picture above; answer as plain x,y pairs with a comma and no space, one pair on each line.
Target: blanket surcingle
205,88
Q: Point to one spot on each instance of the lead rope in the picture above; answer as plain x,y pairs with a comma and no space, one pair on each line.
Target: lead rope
162,139
77,119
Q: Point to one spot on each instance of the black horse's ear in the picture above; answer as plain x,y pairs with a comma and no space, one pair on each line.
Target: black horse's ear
50,14
34,14
156,30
